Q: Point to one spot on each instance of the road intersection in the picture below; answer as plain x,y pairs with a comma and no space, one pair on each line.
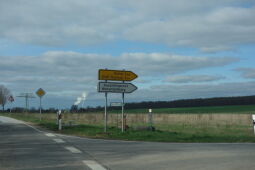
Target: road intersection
25,147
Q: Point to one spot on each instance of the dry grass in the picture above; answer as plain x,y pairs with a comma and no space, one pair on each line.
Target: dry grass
170,127
159,120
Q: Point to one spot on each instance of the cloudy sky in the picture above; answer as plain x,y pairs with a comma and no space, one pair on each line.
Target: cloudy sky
179,49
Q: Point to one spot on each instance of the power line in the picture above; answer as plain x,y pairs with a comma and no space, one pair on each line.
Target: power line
27,96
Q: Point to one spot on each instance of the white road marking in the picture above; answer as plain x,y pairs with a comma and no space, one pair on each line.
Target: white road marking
49,134
33,127
59,141
73,149
94,165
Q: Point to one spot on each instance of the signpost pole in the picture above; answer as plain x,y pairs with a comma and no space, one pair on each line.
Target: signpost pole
122,113
40,93
40,108
122,110
26,103
105,114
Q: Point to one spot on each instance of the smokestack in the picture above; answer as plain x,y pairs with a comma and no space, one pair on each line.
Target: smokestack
81,98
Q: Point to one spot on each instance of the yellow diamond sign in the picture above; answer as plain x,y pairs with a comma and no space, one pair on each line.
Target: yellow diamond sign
40,92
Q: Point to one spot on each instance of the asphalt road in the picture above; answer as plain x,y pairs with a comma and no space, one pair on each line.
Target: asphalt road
24,147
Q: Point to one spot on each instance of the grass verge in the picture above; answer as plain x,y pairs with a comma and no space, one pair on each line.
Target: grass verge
174,132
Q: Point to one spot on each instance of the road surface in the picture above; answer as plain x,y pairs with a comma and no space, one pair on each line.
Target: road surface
24,147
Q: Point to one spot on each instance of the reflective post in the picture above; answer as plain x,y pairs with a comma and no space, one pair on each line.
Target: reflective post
59,120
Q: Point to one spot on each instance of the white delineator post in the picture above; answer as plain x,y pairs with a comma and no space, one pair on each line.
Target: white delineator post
59,120
150,119
253,119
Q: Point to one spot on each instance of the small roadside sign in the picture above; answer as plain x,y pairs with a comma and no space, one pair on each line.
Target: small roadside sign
40,92
116,104
116,75
116,87
11,99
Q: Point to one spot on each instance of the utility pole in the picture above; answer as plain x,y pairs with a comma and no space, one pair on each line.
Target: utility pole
27,96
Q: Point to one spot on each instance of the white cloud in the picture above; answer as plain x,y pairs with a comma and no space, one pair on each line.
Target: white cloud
248,73
192,78
175,92
204,24
60,71
213,31
163,64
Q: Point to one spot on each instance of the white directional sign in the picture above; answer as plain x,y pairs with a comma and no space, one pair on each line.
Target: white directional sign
116,104
116,87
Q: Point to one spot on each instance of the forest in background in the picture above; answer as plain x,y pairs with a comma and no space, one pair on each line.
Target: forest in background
200,102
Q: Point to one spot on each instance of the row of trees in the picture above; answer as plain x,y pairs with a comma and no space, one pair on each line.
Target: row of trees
217,101
31,110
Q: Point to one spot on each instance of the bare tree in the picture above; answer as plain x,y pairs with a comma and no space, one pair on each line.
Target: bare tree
4,95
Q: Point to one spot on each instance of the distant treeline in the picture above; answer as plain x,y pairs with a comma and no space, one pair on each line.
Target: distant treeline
217,101
31,110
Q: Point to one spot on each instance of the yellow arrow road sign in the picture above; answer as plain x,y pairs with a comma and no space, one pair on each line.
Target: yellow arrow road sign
116,75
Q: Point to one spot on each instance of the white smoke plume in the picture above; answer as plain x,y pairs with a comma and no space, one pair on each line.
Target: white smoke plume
81,98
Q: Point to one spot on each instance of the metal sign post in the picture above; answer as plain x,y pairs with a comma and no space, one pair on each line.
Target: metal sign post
105,114
122,109
40,108
11,99
40,93
122,113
